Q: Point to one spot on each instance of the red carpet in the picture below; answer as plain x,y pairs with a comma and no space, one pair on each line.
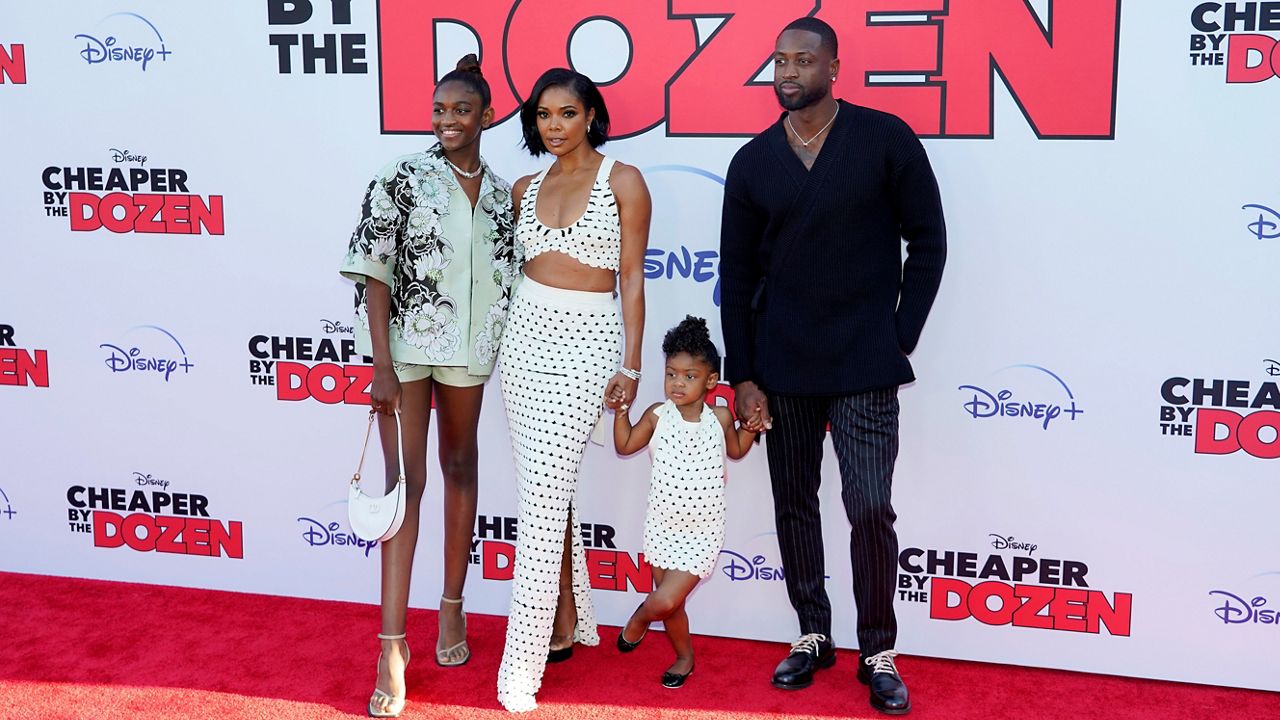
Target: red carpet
92,649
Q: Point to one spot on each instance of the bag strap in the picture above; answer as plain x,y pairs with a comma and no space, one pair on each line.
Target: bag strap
355,479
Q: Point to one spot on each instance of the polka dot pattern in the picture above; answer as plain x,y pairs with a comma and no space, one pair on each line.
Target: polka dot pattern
593,240
559,350
684,525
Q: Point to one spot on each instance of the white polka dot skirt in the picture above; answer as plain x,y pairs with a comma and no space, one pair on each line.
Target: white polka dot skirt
559,350
684,525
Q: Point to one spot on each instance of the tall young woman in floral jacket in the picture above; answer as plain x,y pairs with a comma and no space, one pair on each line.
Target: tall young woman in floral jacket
433,260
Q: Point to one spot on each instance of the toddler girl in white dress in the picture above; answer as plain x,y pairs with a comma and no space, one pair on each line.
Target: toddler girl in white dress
684,524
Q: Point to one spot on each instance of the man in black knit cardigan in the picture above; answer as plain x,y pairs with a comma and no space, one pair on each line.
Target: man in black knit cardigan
819,314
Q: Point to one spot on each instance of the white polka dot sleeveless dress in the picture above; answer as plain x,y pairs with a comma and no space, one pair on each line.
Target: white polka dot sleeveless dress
559,350
684,525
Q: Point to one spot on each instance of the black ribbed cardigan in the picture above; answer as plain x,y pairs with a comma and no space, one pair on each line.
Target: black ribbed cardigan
829,308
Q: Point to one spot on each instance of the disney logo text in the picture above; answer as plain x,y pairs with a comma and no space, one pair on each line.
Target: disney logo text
96,51
144,479
333,326
1267,226
318,534
1236,610
1001,542
126,156
740,568
121,360
984,405
111,49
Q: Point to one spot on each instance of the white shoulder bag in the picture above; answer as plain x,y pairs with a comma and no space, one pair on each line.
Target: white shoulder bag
377,518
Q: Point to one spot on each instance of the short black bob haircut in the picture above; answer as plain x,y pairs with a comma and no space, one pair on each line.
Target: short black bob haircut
586,92
468,73
818,27
691,336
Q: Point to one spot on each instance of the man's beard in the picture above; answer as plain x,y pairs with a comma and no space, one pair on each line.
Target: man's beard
809,97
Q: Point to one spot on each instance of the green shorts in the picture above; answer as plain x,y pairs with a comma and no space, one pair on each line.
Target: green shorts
451,376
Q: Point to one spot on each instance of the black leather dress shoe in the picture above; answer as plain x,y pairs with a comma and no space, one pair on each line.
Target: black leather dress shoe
675,680
810,653
888,692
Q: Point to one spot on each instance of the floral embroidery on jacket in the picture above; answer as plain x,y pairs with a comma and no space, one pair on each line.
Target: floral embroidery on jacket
400,240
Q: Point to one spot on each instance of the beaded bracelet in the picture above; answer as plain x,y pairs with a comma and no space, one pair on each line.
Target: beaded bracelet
628,372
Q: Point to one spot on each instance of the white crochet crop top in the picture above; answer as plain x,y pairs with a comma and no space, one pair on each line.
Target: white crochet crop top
595,239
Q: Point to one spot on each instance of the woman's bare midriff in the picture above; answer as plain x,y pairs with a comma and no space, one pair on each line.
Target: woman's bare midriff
559,270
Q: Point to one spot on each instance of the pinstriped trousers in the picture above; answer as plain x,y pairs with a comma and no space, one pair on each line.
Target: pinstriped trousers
864,431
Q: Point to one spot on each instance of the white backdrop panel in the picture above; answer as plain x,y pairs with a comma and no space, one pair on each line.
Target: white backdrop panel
1083,274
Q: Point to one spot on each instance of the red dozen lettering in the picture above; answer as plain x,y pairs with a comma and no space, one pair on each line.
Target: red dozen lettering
1030,606
23,367
168,534
608,569
330,383
1062,72
1240,432
146,213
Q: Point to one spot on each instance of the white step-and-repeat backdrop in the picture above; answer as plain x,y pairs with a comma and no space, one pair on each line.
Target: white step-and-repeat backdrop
1089,474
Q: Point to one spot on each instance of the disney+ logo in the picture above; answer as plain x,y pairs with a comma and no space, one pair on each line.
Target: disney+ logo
321,534
1267,224
131,358
684,185
700,266
8,512
1235,610
113,49
983,403
739,568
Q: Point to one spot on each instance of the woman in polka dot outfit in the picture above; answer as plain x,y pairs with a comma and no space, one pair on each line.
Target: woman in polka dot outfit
684,525
582,228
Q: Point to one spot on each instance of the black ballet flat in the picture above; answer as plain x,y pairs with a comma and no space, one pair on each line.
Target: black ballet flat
625,645
675,680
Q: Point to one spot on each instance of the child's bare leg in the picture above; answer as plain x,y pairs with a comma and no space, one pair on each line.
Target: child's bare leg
677,624
638,624
666,603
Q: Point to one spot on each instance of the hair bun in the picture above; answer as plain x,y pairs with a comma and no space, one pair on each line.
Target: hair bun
695,324
470,63
691,336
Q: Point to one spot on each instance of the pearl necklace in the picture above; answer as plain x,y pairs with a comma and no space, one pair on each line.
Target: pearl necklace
468,175
815,135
